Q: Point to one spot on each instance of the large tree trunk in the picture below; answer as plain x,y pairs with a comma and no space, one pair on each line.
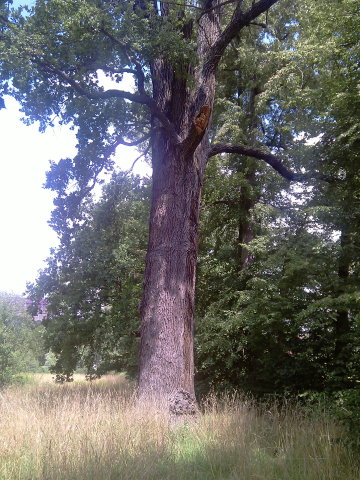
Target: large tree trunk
167,362
185,96
342,323
166,373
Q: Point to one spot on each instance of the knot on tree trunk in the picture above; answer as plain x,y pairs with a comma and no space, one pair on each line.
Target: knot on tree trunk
197,130
201,120
183,403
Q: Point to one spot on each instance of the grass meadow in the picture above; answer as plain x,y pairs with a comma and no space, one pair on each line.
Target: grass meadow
95,432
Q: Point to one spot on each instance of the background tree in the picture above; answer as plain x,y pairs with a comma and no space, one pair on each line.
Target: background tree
92,285
21,342
284,328
339,152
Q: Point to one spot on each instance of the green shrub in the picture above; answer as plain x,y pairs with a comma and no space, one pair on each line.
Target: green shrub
21,342
347,409
23,379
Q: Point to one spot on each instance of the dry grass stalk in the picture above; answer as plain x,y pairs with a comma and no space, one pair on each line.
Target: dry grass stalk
96,432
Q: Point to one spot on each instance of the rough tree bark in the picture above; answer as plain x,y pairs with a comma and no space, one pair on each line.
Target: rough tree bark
167,326
166,371
342,328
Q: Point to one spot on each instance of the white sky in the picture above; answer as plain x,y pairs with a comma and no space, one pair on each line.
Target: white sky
25,206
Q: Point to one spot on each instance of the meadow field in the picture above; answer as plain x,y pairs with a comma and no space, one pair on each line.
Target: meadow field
94,431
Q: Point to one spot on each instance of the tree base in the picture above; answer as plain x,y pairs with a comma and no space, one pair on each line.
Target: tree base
183,403
178,408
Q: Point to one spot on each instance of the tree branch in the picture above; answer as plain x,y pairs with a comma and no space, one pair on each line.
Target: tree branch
121,141
269,158
239,20
182,5
142,97
119,71
138,72
143,154
259,24
272,160
208,10
83,91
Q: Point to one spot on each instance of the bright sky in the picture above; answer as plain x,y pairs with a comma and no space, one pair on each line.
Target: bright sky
25,206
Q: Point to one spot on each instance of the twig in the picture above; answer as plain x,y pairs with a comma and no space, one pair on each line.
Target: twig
269,158
136,159
121,141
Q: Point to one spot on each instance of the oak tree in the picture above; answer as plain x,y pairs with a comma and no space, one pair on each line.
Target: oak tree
53,60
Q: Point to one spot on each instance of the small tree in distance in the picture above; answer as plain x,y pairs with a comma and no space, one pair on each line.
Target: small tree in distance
21,343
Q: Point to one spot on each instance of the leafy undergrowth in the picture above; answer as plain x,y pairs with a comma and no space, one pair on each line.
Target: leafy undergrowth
95,432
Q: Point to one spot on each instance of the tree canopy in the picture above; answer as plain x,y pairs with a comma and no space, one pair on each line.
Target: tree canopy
253,103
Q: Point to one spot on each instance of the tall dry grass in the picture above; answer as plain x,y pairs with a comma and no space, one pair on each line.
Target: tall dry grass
95,432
